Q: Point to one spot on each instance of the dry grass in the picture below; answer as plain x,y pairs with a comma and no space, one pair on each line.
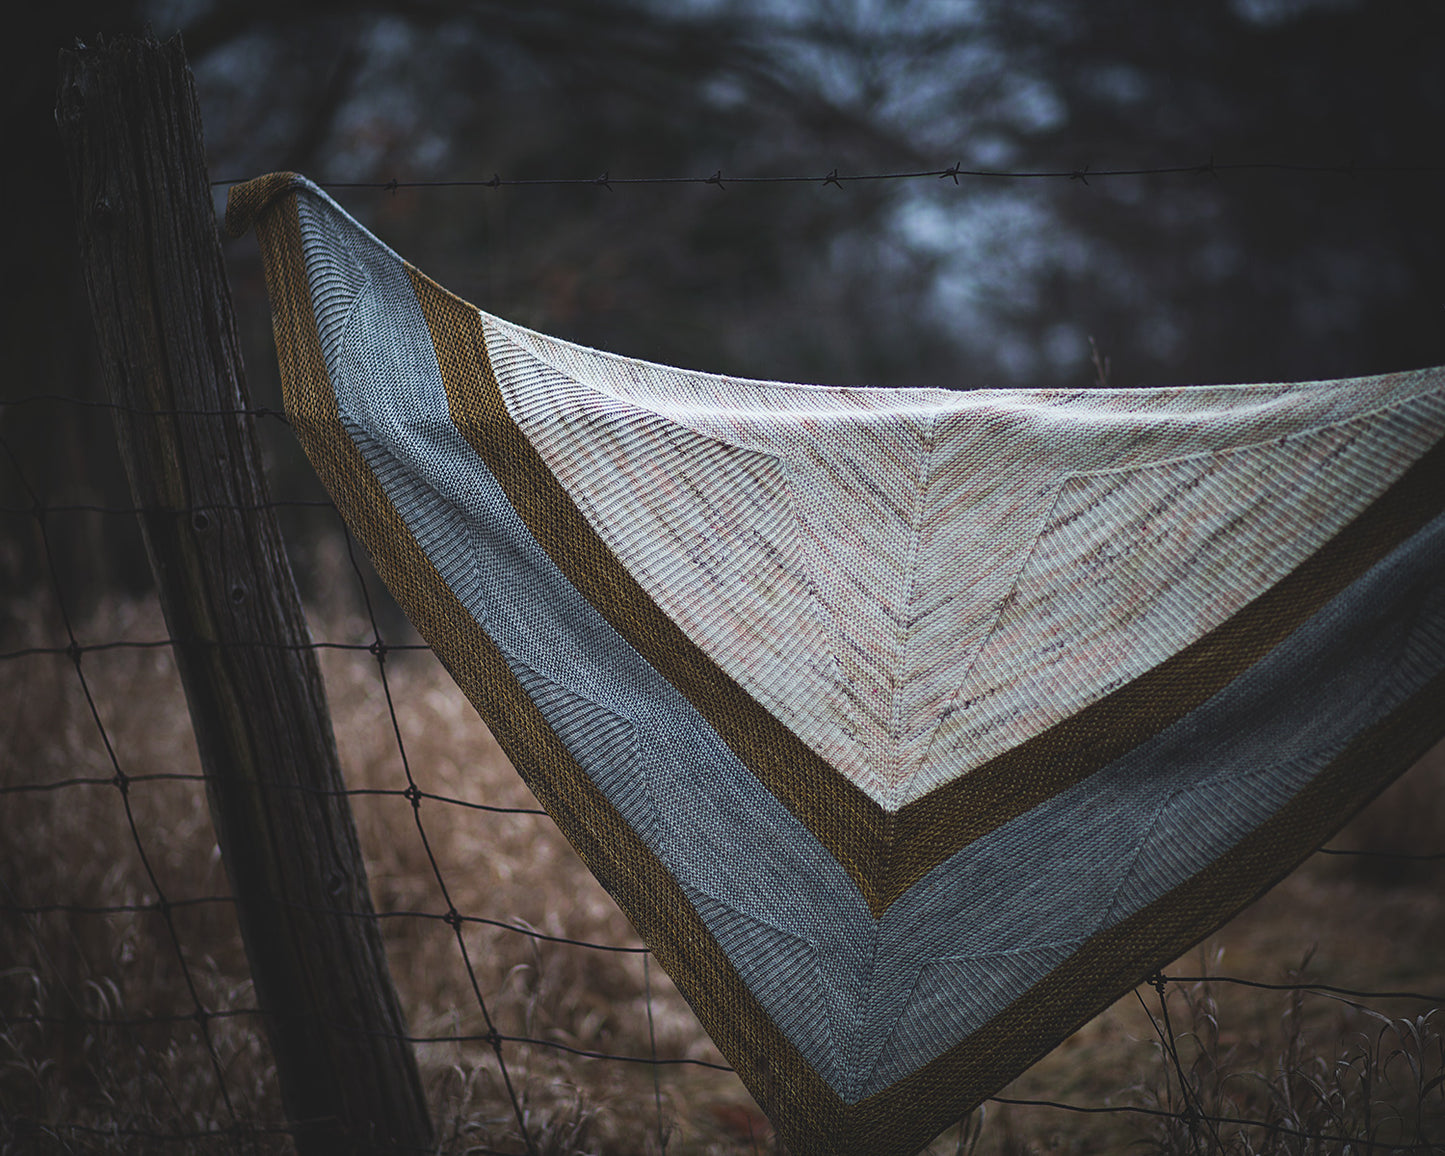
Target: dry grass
1373,1080
69,1085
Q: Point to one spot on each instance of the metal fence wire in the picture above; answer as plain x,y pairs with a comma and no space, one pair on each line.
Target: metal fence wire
128,1023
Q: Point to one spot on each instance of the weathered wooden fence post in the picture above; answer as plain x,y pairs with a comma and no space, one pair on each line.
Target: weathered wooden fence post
162,308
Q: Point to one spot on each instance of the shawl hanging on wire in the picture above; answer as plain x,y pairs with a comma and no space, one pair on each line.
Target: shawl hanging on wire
908,727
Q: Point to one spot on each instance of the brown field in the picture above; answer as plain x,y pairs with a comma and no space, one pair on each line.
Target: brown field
1308,1062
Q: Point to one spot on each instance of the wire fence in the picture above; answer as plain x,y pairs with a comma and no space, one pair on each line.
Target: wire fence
239,1116
955,172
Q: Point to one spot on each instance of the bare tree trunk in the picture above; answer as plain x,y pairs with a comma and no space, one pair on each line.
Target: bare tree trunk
162,308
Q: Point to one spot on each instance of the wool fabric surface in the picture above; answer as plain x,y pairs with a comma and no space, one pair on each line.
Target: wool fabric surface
909,727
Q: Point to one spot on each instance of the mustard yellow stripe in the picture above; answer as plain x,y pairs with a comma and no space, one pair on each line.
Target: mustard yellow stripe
887,854
841,816
1116,959
931,829
906,1115
783,1083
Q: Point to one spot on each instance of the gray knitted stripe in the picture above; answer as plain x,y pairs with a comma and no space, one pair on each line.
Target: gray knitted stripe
984,926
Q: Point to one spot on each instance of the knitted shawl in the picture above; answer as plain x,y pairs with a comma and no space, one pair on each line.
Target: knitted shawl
909,727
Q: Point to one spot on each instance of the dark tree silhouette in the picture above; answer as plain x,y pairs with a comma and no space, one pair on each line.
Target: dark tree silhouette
1246,276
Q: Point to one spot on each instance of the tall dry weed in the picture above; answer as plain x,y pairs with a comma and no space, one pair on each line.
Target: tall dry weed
1370,1083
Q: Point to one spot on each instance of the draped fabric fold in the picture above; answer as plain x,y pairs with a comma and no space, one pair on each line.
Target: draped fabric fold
908,727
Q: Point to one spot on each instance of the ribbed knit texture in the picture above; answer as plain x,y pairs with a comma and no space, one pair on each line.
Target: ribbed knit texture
890,571
909,727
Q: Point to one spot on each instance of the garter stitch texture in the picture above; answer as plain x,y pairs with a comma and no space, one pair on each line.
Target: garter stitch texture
909,727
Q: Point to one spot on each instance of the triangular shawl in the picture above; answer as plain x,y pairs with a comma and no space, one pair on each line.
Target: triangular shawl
909,727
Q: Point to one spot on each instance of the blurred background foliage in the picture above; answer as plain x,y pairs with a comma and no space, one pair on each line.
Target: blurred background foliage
1184,278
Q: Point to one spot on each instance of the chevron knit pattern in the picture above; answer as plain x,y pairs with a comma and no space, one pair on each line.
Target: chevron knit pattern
909,727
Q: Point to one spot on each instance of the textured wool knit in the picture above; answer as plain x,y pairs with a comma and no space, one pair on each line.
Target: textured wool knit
909,727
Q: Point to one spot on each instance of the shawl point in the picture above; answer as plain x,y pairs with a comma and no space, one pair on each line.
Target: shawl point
248,201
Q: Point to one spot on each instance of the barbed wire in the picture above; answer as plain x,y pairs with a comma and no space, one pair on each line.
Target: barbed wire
312,909
76,649
142,410
1311,988
304,788
162,905
203,508
1193,1109
1429,857
956,172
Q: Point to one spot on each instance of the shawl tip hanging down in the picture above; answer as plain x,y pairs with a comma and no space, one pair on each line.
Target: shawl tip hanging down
908,727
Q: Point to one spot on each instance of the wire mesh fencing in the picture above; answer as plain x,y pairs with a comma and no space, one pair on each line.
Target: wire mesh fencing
128,1019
